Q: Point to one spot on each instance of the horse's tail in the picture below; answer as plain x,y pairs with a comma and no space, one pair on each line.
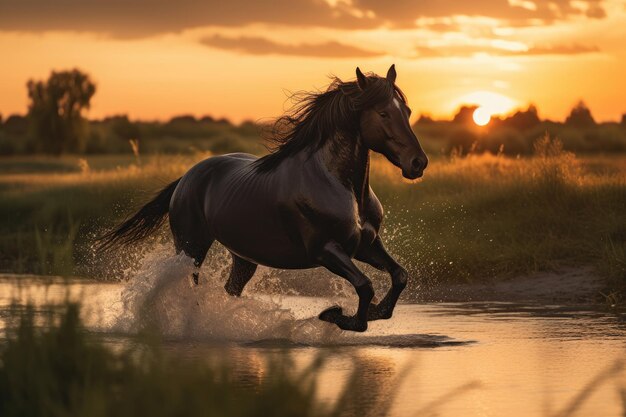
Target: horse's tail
145,222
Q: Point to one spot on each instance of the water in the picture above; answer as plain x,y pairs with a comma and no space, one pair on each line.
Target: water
446,359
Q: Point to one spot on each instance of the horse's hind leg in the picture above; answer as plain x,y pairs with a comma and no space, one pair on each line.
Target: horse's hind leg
198,259
240,273
196,249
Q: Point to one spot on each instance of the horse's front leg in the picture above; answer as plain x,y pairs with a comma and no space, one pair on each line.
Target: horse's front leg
334,258
377,256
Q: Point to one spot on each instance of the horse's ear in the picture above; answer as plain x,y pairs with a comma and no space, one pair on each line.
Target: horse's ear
391,74
361,79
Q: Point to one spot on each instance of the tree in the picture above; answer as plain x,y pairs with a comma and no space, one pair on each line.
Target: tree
465,115
123,128
16,125
55,110
424,119
183,119
624,119
580,116
523,120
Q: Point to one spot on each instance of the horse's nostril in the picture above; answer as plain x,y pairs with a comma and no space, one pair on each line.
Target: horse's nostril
416,164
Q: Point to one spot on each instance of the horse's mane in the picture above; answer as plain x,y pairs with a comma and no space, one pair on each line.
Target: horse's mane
318,116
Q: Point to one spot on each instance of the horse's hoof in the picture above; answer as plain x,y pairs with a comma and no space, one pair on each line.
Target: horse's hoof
351,323
331,315
376,312
335,315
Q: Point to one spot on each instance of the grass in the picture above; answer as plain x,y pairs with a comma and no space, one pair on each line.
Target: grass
491,216
472,217
50,219
61,371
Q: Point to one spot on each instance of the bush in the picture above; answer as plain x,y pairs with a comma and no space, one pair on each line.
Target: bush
461,140
507,140
7,146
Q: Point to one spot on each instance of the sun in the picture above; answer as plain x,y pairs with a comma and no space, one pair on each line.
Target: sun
488,104
481,116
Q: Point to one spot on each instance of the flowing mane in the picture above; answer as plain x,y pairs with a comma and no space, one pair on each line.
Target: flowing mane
318,116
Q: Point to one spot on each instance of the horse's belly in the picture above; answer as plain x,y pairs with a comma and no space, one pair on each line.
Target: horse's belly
269,250
259,236
288,259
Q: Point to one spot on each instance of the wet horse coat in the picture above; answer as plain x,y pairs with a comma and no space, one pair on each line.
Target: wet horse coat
308,204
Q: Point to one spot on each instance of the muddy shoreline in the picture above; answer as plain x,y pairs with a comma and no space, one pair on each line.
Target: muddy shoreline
565,285
573,285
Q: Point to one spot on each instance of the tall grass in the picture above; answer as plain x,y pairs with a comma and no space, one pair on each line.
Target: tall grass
56,253
49,221
61,371
472,217
483,215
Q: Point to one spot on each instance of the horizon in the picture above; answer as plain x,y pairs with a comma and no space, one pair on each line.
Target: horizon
414,118
236,61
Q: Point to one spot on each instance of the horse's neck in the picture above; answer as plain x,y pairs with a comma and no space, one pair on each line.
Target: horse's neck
348,160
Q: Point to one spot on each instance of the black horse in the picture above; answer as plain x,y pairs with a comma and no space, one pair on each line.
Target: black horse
306,204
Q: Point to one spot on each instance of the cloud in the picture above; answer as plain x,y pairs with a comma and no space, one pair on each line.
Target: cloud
405,12
261,46
140,18
574,49
469,50
427,52
596,12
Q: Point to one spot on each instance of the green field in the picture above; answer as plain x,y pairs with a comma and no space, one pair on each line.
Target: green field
472,217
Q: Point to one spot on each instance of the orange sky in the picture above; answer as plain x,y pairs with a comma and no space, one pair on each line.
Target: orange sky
157,58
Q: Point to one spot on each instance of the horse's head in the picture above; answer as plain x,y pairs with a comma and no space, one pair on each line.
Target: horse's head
385,127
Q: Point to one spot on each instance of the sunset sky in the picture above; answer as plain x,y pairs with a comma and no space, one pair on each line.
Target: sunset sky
152,59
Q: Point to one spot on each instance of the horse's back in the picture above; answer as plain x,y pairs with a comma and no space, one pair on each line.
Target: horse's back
205,172
187,206
228,199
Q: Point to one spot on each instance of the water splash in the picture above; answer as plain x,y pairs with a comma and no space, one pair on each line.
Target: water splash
161,296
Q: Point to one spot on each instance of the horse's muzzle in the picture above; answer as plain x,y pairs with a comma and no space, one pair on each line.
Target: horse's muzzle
416,170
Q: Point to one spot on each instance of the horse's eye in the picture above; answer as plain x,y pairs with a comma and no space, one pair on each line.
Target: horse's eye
383,114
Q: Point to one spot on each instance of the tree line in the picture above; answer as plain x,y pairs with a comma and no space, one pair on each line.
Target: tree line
56,124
